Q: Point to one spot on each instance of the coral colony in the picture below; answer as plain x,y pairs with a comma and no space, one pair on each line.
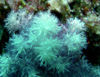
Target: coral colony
41,45
42,48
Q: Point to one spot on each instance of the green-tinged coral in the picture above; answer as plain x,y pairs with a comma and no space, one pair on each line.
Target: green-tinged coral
60,66
5,62
47,50
50,26
41,45
51,42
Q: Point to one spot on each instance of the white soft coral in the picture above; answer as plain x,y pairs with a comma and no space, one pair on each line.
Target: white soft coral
75,25
17,20
75,38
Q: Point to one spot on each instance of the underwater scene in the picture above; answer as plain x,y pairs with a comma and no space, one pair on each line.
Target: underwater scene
49,38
